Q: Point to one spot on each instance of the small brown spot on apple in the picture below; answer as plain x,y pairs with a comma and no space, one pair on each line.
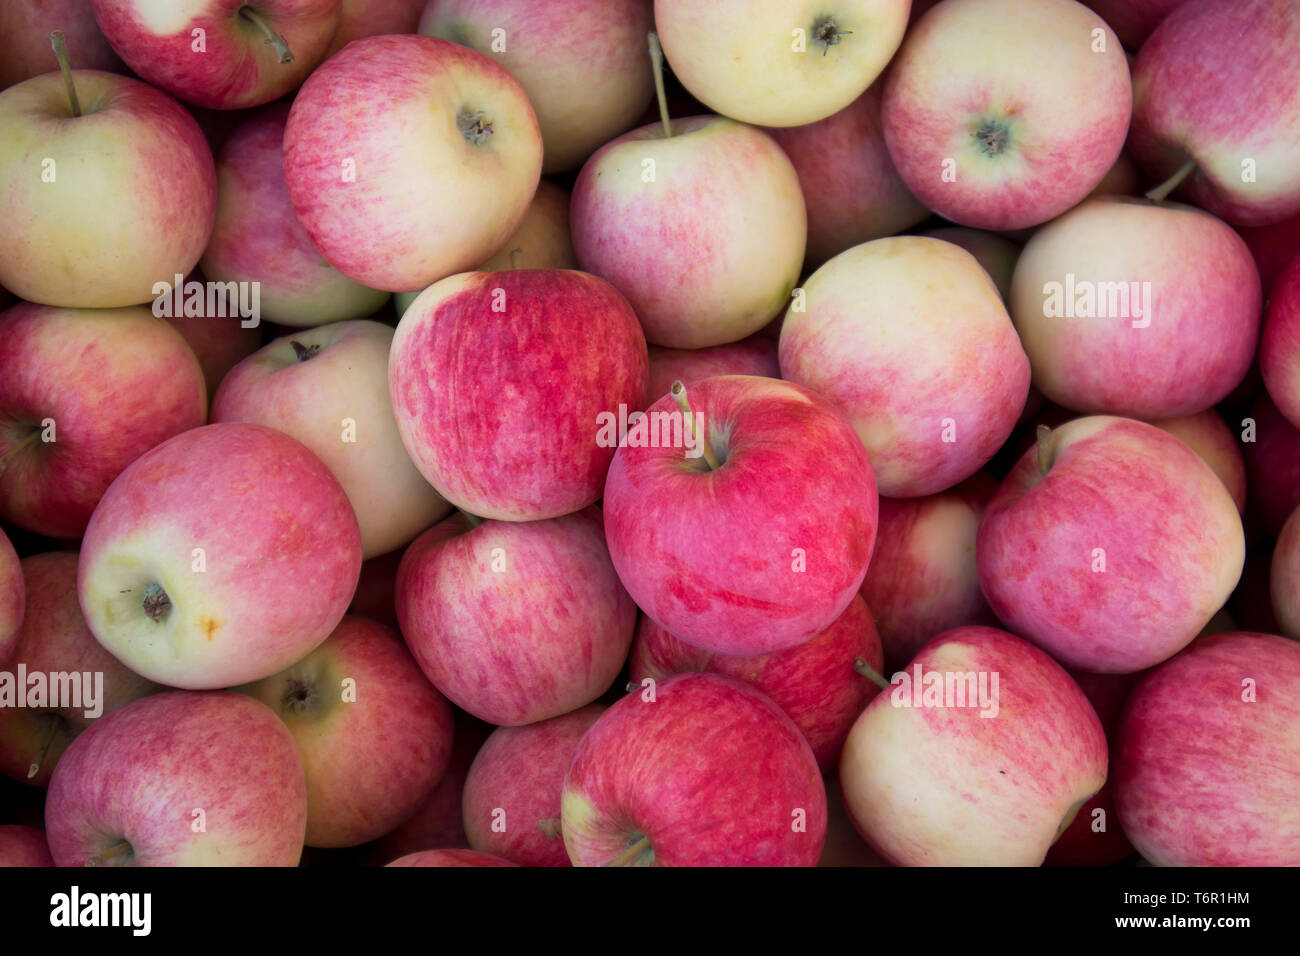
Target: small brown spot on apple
209,625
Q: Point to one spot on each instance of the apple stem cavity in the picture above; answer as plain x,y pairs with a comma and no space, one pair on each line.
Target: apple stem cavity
632,855
1173,182
117,849
305,352
866,670
156,603
300,696
1044,449
44,752
678,392
60,44
273,38
657,66
19,446
826,34
474,127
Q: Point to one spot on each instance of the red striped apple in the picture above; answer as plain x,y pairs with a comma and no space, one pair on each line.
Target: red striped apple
1209,436
218,341
23,846
12,598
368,18
1133,20
25,28
755,355
451,858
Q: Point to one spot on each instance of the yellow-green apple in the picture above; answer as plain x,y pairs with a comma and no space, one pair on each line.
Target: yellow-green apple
703,230
815,683
850,187
1129,307
1284,578
756,536
328,388
1273,246
922,578
581,62
218,558
755,355
221,54
1271,448
374,736
450,858
979,754
1279,346
515,621
1133,20
483,363
25,28
512,793
1110,544
180,779
1207,434
777,62
1216,99
23,846
257,236
996,254
12,597
83,393
104,200
55,641
1209,759
694,770
368,18
909,338
409,158
1002,114
218,341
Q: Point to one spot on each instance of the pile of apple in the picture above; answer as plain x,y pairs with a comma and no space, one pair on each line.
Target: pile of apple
854,348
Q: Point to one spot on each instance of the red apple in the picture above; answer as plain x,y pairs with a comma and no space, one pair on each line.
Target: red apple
12,598
23,846
1284,578
368,18
755,355
1273,246
375,596
25,28
218,341
1271,447
1133,20
1279,347
1207,434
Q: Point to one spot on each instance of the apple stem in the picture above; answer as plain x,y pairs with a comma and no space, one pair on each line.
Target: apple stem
1044,449
4,459
273,38
115,850
44,752
305,352
678,392
1173,182
630,855
657,65
516,258
866,670
60,44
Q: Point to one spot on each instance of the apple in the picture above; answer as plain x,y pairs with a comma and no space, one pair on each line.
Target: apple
257,236
512,793
12,598
1207,434
25,28
483,363
1208,762
409,159
1133,20
844,845
23,846
1110,545
373,735
451,858
1273,246
697,770
55,640
1128,307
375,596
986,772
368,18
777,62
850,187
581,62
815,683
220,557
1284,578
755,355
1279,347
756,536
932,397
221,54
180,779
1192,78
1003,114
83,393
996,254
218,341
515,621
1271,448
104,199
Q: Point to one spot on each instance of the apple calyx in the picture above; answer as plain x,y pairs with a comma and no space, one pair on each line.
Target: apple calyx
300,697
1044,448
549,828
273,38
678,392
1173,182
826,34
55,723
866,670
305,352
117,849
156,603
637,853
657,67
60,44
474,127
992,135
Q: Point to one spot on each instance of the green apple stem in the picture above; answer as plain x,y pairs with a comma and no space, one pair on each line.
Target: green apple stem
117,849
1044,449
19,446
679,396
60,45
44,752
1173,182
866,670
657,65
631,854
516,258
273,38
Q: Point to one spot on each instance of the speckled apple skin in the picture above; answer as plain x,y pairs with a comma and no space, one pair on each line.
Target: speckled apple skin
23,846
12,598
755,355
1207,434
450,858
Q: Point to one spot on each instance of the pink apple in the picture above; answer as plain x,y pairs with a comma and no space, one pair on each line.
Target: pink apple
697,770
1273,246
180,779
83,393
515,621
1208,763
220,557
12,598
931,374
23,846
1207,434
1271,447
755,355
451,858
368,18
1110,545
984,765
1279,347
1133,20
484,363
755,536
218,341
1284,577
996,254
25,28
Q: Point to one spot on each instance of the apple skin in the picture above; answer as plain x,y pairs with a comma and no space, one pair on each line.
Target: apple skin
1171,536
422,201
1192,76
55,639
484,362
1279,347
138,775
1273,247
368,18
239,68
1284,578
23,846
257,236
583,63
700,260
450,858
1204,309
956,359
996,254
12,598
219,342
516,781
814,683
1207,434
850,187
25,28
1133,20
515,622
369,761
281,552
763,553
755,355
103,233
754,74
844,844
1024,137
115,382
943,786
1272,467
375,596
1203,777
710,772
